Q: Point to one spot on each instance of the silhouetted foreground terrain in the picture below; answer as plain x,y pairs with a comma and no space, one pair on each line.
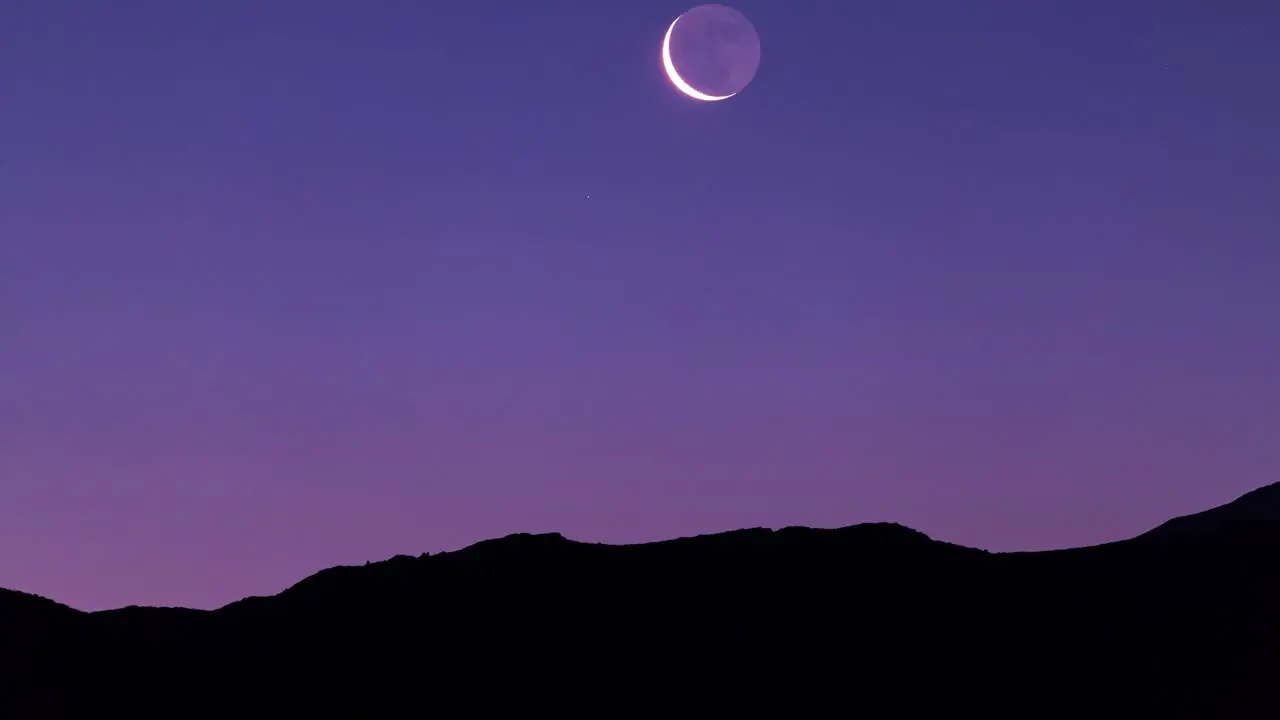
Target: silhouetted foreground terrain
865,621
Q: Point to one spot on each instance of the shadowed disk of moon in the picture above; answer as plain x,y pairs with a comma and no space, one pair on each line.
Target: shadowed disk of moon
711,52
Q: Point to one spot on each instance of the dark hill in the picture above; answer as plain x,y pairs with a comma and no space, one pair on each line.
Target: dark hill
1259,508
865,621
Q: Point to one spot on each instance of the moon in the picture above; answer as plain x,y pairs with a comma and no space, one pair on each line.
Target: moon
718,51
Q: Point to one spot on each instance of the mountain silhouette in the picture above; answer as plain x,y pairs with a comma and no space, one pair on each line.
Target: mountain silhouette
1260,507
874,620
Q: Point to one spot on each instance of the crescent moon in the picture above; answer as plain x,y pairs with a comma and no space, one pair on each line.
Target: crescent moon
678,81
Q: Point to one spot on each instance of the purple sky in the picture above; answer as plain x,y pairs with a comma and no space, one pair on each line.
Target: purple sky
318,283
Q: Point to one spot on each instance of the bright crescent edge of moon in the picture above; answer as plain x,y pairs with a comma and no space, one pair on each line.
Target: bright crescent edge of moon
678,81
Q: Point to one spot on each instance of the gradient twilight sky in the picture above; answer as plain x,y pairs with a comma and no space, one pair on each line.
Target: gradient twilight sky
291,284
